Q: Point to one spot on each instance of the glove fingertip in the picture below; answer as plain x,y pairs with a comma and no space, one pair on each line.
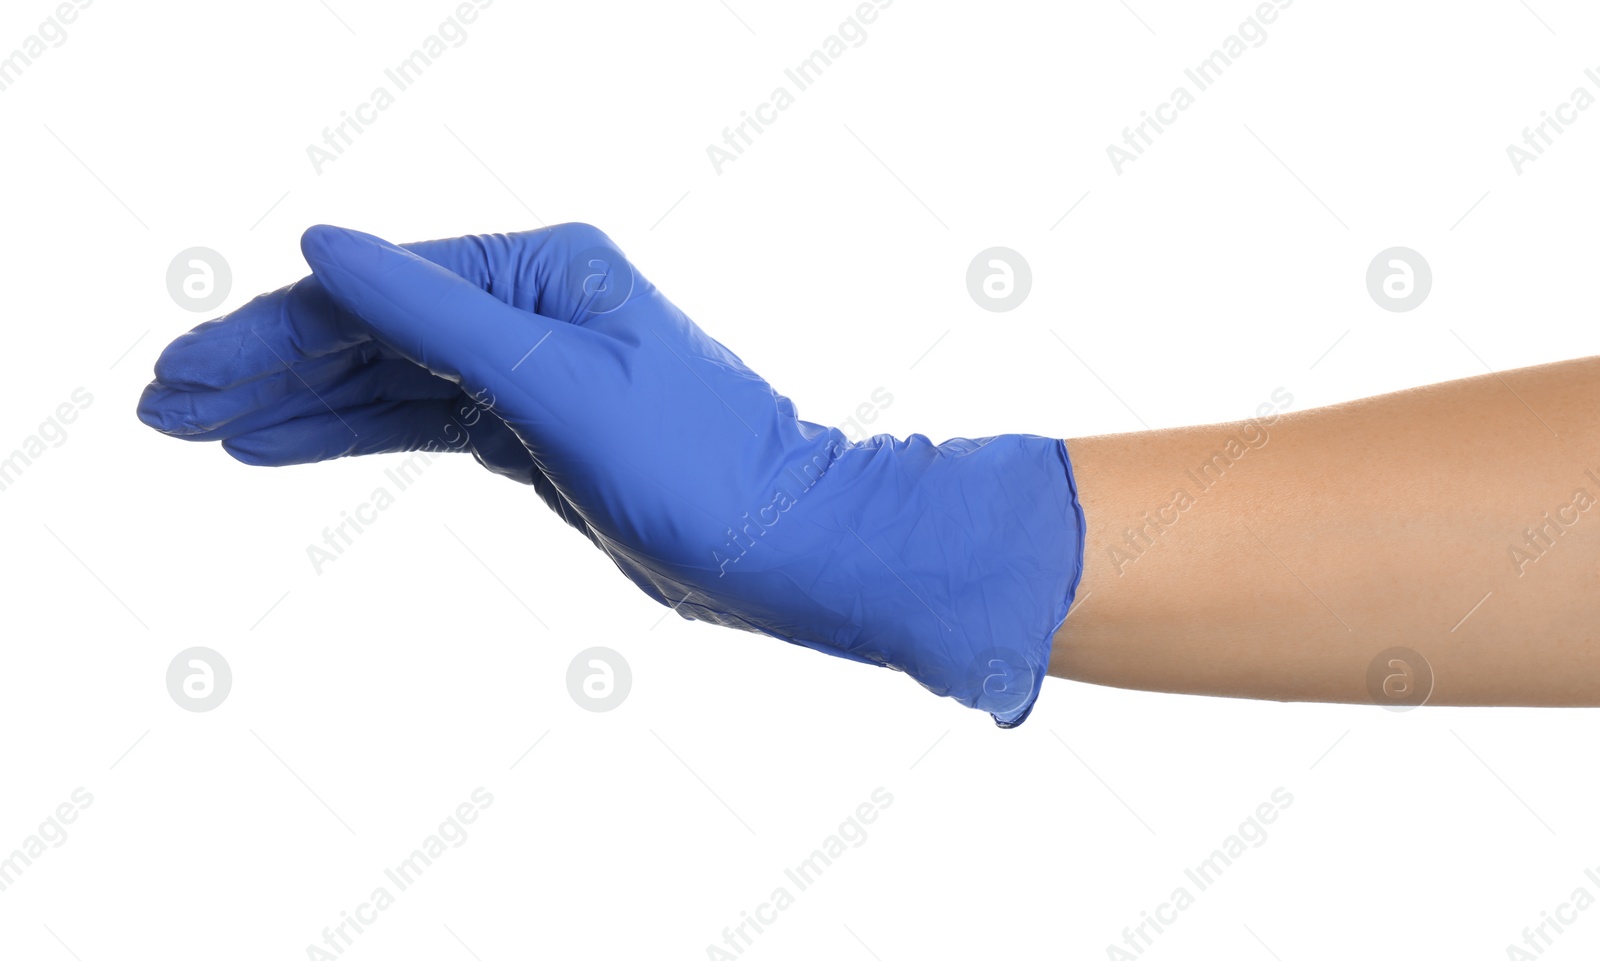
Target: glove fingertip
244,452
322,241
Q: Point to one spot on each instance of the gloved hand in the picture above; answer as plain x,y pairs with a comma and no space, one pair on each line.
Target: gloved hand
558,364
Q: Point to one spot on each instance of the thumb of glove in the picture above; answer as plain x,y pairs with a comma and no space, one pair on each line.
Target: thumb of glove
431,316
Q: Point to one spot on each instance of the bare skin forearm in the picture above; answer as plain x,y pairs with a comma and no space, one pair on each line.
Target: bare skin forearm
1324,537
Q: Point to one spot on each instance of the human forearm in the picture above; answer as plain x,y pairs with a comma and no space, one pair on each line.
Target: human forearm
1346,531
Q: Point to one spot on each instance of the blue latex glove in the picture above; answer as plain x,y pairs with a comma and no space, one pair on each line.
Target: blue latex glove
558,364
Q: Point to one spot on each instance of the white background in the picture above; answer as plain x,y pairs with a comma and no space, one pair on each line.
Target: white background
371,699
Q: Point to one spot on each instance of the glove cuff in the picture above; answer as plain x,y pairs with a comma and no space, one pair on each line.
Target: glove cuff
1029,674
